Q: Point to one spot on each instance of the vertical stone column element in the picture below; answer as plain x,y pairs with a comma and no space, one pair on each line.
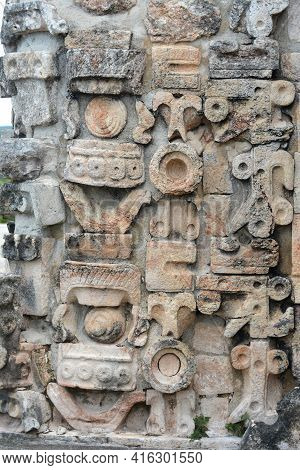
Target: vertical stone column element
257,362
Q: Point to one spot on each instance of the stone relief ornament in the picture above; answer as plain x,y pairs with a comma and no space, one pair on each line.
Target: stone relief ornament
151,188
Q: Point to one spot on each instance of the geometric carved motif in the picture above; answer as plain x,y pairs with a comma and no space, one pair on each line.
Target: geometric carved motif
153,195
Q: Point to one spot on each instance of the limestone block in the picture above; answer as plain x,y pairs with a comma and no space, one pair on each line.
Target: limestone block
296,257
33,74
141,133
213,375
256,256
94,218
98,38
82,419
296,345
40,200
109,71
98,7
28,17
289,65
267,204
168,365
216,208
251,305
255,16
100,285
176,67
115,165
166,268
174,314
175,216
209,336
7,87
182,114
230,59
94,246
17,373
216,409
257,362
171,414
71,118
31,408
176,169
37,261
174,20
249,107
96,367
296,184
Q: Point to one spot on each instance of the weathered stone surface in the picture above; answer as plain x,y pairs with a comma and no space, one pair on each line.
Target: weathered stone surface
213,375
29,17
174,314
254,16
257,362
93,218
22,159
216,409
100,7
21,247
109,71
83,420
169,365
283,434
141,134
187,20
229,59
105,164
171,414
176,67
7,87
106,117
96,38
171,257
92,246
176,169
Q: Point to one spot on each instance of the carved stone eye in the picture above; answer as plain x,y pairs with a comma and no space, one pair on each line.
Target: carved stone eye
123,376
78,167
96,168
134,170
116,169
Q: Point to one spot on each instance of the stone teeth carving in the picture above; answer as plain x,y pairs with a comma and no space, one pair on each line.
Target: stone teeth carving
100,7
182,114
229,256
176,67
175,216
93,218
23,159
176,169
253,307
229,59
106,117
174,314
83,420
166,265
94,246
146,121
105,71
41,198
31,408
21,247
257,16
115,165
181,20
171,414
249,107
97,367
28,17
168,365
257,362
267,202
33,71
100,284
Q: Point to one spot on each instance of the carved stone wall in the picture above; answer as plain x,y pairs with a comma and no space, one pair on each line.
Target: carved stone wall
154,184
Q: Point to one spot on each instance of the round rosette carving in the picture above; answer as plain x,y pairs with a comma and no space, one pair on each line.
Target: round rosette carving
169,365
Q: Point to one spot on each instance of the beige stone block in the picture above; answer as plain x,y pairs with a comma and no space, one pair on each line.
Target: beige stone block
214,375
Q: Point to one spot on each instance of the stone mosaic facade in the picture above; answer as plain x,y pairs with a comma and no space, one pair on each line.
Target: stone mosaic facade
154,183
